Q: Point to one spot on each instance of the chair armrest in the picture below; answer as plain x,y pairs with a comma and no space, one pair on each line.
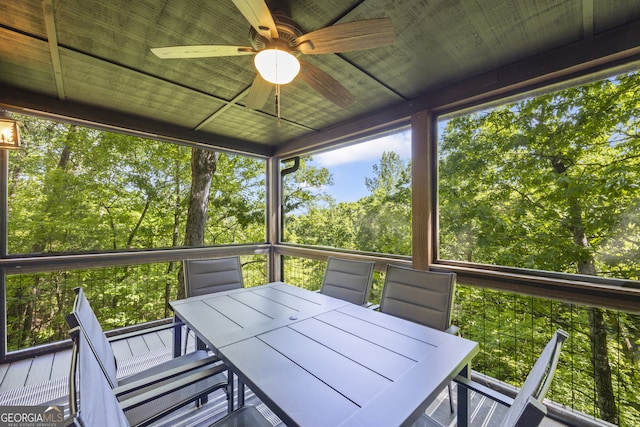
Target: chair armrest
152,380
127,335
165,389
484,390
453,330
374,307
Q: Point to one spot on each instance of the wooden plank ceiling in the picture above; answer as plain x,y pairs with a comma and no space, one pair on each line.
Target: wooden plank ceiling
91,59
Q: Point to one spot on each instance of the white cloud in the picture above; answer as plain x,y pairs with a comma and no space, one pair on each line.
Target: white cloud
367,151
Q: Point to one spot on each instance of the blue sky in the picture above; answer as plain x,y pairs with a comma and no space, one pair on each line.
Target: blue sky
350,165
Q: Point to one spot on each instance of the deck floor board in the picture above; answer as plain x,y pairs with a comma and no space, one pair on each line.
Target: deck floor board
16,376
3,371
40,369
137,345
154,342
166,337
121,349
61,364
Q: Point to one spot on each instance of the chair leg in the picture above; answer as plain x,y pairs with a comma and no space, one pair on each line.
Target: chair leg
200,345
203,400
186,341
450,398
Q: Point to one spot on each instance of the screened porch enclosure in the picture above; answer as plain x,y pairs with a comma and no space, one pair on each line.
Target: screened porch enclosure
496,140
507,308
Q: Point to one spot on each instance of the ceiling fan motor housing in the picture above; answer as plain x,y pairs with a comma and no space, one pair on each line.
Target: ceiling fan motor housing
288,32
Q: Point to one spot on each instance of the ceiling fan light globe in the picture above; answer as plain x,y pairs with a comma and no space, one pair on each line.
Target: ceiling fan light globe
277,66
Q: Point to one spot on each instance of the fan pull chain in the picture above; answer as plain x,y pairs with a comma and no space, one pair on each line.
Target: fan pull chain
278,103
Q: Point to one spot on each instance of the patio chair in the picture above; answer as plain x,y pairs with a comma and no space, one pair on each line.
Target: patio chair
92,402
206,276
161,375
348,280
424,297
527,409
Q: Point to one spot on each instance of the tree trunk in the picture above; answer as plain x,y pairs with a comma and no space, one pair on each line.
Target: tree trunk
203,166
601,368
597,325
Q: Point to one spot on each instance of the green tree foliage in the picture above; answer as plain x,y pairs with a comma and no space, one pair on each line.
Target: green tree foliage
306,218
304,188
73,189
78,189
379,222
237,201
330,226
384,222
545,182
552,183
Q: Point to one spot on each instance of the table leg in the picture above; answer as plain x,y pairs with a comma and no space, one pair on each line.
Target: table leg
240,393
230,391
177,338
463,400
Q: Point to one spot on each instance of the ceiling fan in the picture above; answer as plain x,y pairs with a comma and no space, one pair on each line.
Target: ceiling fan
277,42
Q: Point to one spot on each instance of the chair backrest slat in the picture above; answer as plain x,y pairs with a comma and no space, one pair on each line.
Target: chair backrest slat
84,317
205,276
424,297
349,280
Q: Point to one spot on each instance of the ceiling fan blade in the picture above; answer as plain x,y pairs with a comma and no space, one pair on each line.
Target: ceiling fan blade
325,85
201,51
258,93
259,16
347,37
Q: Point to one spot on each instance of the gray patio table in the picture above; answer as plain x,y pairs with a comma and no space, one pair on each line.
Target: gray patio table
320,361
